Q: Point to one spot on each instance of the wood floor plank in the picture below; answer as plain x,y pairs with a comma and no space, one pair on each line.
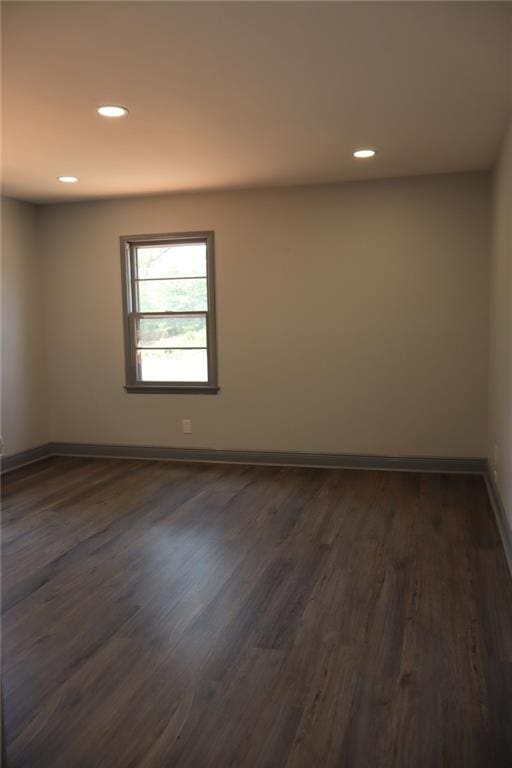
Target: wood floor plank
160,614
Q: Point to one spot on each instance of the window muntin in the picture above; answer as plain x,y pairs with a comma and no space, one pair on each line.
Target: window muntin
169,312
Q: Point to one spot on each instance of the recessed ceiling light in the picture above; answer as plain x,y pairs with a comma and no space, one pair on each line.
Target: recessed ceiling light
111,110
68,179
364,153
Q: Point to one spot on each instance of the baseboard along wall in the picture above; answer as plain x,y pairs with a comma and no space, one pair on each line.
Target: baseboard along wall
502,522
271,458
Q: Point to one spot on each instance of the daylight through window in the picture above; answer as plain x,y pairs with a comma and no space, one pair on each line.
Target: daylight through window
169,313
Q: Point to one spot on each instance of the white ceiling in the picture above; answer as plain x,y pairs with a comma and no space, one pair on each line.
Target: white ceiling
247,94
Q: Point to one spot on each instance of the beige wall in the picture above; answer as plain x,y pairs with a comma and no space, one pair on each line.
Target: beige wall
24,405
351,318
501,327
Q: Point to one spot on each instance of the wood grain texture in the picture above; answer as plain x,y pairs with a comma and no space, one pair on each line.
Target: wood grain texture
212,616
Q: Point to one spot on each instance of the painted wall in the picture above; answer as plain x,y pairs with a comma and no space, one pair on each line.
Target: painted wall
501,327
351,318
24,405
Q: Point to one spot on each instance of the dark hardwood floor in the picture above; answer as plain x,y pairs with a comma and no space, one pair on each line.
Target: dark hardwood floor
160,615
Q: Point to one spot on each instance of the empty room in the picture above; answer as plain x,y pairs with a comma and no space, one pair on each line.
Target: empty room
256,384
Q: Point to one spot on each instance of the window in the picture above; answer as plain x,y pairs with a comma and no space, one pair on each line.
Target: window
169,313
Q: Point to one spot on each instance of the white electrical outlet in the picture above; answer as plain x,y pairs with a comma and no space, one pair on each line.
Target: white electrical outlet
495,475
187,426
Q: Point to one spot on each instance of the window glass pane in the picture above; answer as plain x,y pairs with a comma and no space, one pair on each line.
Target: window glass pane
173,365
173,295
187,260
171,332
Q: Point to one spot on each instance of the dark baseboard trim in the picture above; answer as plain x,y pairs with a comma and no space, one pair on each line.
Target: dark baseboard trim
274,458
16,460
499,512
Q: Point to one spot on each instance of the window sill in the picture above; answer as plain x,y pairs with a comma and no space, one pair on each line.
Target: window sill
159,389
